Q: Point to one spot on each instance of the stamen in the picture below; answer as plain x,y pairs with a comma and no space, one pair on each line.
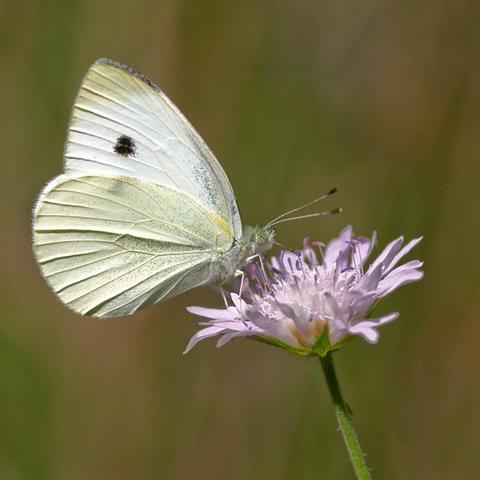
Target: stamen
320,246
290,263
361,261
354,244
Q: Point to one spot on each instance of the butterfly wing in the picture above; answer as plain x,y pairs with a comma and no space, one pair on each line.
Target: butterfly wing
122,124
110,245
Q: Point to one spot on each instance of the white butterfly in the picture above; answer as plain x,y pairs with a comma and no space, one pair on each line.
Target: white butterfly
144,211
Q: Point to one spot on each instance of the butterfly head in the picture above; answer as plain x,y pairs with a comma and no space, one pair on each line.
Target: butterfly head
262,238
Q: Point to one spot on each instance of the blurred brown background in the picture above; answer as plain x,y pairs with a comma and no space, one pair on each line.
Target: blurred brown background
378,98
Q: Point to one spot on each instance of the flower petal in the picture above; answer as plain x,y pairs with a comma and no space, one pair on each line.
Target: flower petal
367,328
226,337
215,313
201,335
336,245
388,254
397,278
337,330
411,244
371,279
237,301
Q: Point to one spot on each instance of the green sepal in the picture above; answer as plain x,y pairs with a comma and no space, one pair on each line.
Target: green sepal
277,343
322,345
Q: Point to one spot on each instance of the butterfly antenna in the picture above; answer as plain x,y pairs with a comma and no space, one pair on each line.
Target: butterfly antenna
301,207
335,211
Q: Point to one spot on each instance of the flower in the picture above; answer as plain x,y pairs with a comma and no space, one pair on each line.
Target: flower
310,307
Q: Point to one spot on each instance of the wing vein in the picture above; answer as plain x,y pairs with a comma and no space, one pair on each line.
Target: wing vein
164,222
136,267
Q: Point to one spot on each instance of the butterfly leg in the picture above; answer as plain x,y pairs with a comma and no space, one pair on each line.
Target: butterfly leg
224,297
240,273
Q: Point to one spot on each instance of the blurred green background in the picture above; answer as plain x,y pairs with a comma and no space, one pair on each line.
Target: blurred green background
378,98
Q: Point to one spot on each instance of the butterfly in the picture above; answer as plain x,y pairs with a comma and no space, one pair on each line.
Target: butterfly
143,210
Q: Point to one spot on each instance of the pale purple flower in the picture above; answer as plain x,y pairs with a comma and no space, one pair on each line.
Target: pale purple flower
310,306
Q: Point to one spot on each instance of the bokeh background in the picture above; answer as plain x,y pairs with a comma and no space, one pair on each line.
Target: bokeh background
378,98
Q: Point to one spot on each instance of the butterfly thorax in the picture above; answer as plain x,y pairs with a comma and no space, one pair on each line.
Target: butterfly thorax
254,241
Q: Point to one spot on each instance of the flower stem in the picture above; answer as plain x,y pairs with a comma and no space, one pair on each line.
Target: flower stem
344,421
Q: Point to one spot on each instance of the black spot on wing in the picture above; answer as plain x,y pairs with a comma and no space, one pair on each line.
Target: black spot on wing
125,146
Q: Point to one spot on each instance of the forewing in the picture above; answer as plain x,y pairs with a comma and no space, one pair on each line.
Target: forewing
109,246
122,124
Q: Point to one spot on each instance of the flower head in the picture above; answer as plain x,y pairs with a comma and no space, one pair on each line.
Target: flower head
309,306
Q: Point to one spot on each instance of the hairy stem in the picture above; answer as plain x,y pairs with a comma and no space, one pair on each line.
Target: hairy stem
344,421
